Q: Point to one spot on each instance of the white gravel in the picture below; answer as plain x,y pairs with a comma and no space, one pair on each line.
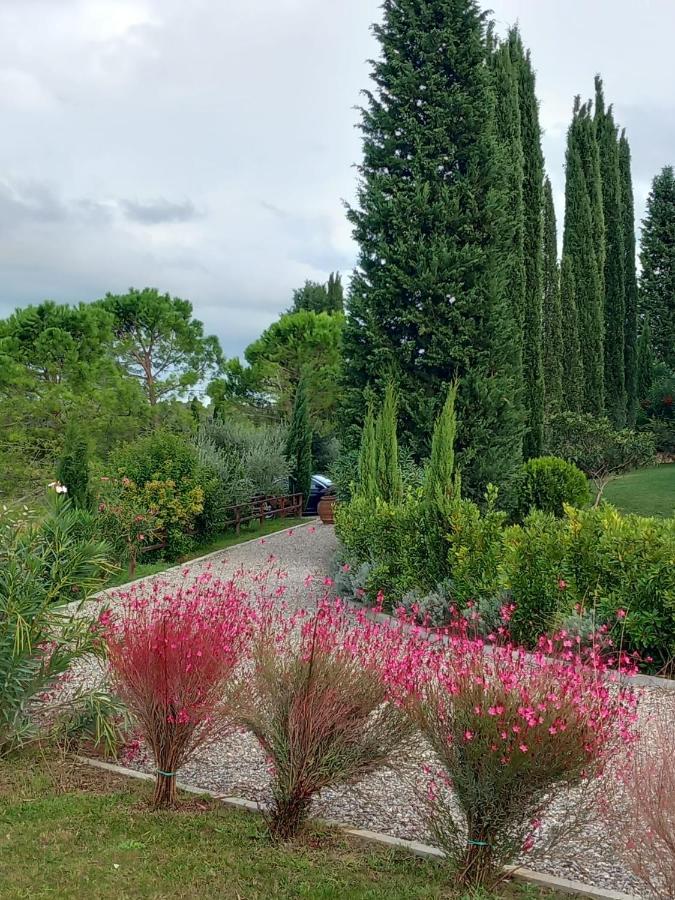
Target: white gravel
386,801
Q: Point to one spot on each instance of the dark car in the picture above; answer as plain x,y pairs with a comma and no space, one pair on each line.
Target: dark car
320,484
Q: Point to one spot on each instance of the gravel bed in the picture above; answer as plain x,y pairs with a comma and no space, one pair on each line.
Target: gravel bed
386,801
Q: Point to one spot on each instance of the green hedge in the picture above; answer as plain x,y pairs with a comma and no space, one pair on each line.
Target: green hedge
595,560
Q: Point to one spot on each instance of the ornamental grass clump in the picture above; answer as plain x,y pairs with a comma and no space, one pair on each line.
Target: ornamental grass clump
174,655
318,703
512,732
642,806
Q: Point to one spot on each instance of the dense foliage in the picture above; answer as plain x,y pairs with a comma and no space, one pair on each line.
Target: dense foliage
548,483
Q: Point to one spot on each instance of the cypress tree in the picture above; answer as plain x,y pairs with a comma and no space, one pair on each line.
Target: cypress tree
657,254
645,362
367,484
579,243
507,119
630,280
552,338
334,293
439,479
389,483
428,299
572,369
73,466
614,286
590,160
299,443
533,206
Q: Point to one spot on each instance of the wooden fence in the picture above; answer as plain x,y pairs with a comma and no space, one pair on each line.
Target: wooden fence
261,508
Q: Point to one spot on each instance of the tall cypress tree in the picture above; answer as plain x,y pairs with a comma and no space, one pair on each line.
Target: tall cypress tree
579,243
573,373
614,285
510,145
533,206
552,340
334,293
428,299
645,362
657,254
299,443
630,280
590,160
367,484
389,483
439,477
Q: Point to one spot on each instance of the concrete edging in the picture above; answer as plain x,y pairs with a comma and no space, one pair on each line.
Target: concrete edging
416,848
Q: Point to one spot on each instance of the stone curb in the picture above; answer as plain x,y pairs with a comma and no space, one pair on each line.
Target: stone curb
424,851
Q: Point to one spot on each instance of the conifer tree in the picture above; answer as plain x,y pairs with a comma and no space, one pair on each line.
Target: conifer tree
439,477
367,483
614,285
657,254
533,207
334,293
299,443
645,362
573,373
73,466
428,300
579,243
510,145
552,340
590,160
389,483
630,280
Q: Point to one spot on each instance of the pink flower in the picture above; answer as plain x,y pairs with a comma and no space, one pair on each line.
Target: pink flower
468,735
621,613
523,748
562,584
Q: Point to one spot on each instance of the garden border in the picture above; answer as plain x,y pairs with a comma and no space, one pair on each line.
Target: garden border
416,848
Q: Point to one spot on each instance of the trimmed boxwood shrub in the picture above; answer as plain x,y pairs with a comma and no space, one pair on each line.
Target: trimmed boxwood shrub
547,483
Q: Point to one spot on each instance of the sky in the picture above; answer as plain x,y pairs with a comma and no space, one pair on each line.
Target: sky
207,147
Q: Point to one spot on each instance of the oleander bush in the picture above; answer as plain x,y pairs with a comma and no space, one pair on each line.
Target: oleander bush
44,568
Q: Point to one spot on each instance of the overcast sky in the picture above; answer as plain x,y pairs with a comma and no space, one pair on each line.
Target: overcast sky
205,146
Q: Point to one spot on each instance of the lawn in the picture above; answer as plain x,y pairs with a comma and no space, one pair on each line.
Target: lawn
69,831
647,492
222,542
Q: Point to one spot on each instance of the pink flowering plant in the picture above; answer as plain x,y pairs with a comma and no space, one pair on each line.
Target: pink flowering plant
128,517
512,731
174,655
640,806
319,704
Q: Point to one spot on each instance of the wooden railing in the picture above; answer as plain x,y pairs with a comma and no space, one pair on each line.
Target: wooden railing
261,508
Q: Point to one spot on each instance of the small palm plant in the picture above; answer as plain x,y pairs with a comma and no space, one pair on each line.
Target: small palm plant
44,569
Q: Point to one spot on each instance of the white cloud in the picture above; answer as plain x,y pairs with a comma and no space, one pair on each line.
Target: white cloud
206,147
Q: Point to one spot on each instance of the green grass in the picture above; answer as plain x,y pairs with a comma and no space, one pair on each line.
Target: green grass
647,492
222,542
69,831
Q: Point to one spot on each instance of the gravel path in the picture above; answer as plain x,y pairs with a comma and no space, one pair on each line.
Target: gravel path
386,801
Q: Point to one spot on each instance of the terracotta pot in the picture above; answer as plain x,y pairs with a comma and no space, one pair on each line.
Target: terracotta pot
326,508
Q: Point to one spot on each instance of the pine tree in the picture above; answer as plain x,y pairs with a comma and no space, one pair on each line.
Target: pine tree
645,362
439,477
552,339
573,373
630,280
299,443
614,286
73,466
533,206
579,243
367,483
428,299
334,293
657,254
389,483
